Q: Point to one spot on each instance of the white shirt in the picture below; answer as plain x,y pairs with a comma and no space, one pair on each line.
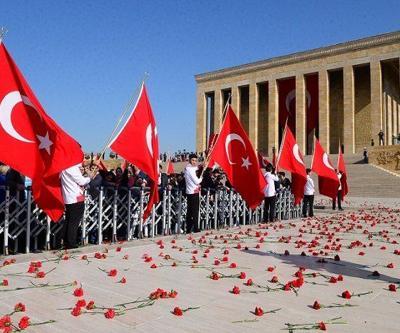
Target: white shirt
270,188
309,187
192,181
72,183
339,175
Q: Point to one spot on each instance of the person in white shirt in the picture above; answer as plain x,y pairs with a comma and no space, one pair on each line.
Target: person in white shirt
339,193
270,194
192,194
308,199
72,186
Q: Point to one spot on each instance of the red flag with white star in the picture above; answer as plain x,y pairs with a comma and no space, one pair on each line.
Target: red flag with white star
31,142
235,155
137,142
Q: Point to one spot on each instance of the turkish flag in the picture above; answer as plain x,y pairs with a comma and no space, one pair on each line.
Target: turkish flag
31,142
312,102
291,159
234,153
342,168
262,160
170,168
328,181
137,142
287,103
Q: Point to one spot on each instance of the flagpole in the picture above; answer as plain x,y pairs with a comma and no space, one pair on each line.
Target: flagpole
280,148
3,32
207,161
128,107
315,144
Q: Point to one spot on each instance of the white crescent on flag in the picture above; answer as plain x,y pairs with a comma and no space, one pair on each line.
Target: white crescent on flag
325,160
6,108
229,138
296,154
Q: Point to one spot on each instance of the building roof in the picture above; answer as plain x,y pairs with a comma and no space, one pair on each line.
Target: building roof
331,50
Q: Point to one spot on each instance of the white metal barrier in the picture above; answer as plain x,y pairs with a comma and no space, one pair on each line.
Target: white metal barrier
114,214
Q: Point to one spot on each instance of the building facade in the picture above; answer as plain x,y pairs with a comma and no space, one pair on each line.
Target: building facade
342,94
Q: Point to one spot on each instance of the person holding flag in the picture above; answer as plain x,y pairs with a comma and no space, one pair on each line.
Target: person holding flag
192,194
27,133
235,155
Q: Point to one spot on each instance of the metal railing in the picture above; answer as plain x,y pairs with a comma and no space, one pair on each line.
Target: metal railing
117,214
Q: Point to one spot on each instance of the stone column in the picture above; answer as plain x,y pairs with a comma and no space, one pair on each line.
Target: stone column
201,121
377,122
348,112
395,121
218,107
323,86
389,114
235,99
301,134
253,115
273,132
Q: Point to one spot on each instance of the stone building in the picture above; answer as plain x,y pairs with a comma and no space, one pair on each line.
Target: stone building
344,93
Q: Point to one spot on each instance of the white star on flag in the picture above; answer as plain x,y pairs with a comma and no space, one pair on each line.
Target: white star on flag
246,163
45,142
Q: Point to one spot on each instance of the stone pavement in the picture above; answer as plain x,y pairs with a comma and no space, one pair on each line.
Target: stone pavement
365,240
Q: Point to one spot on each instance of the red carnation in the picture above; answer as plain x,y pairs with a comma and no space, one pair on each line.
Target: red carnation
109,314
392,287
76,311
258,311
153,266
390,265
90,305
236,290
81,303
4,283
242,275
177,311
274,279
112,272
24,323
270,269
340,277
233,265
333,279
322,326
316,305
123,280
78,292
249,282
40,275
19,307
118,249
346,294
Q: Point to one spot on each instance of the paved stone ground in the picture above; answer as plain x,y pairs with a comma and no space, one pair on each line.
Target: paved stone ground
365,239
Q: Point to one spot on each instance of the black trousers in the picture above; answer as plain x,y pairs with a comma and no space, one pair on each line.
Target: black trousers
308,204
269,208
192,215
339,200
73,217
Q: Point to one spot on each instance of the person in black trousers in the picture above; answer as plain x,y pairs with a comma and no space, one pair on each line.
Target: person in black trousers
308,199
193,182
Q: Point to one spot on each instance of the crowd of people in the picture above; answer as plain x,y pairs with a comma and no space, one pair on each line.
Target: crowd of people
93,175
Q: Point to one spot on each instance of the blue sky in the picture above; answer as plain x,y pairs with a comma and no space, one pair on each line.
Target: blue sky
84,59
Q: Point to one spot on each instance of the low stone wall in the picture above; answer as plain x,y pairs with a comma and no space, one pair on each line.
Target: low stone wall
387,157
